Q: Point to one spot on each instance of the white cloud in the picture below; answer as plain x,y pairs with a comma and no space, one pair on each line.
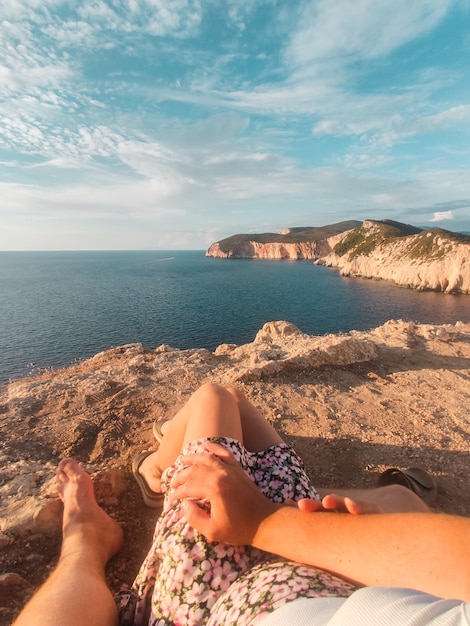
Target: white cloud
153,161
155,17
51,141
347,30
16,9
61,163
116,200
158,206
440,216
233,157
446,118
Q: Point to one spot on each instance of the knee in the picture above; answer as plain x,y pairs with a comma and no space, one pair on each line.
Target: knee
209,391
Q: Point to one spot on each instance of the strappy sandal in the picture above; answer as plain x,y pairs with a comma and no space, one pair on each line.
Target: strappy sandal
151,498
157,428
416,479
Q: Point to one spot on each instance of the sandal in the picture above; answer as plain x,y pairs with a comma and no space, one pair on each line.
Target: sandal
157,428
151,498
414,478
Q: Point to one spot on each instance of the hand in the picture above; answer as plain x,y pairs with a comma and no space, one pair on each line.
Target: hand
346,504
237,507
340,504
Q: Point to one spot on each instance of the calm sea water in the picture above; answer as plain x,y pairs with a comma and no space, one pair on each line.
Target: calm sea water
56,307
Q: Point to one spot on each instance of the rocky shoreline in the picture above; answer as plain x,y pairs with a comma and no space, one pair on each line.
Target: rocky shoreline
352,404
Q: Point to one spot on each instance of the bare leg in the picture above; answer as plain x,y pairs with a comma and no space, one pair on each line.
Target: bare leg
258,434
211,411
76,592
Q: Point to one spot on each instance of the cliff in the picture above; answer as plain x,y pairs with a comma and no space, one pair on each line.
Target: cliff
435,259
306,251
290,243
352,404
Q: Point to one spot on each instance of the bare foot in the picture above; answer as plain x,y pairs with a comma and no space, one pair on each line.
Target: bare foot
85,525
151,472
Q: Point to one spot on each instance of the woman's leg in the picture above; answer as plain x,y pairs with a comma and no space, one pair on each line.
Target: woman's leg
76,592
211,411
183,574
258,434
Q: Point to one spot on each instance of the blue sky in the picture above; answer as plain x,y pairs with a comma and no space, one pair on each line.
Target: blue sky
131,124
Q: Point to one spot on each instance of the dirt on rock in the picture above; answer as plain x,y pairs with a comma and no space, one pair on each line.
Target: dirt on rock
352,405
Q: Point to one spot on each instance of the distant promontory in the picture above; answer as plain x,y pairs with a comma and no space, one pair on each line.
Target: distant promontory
434,259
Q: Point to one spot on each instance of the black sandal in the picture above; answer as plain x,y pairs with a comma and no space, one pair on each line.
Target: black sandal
151,498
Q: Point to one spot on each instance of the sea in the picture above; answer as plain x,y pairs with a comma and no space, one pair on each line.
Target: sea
57,308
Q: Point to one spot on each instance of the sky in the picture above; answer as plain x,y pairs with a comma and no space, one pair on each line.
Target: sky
171,124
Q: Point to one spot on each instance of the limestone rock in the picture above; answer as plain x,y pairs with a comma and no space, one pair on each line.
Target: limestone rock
431,260
273,330
48,518
281,346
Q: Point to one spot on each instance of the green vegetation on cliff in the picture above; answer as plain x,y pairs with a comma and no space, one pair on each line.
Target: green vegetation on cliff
363,240
430,244
296,235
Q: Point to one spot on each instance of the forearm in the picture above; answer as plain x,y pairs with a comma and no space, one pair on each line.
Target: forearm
428,552
423,551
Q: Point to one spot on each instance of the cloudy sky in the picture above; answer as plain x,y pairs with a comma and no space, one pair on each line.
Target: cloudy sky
131,124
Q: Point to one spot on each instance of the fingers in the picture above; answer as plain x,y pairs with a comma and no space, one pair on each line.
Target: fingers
212,458
192,482
333,502
222,453
353,507
196,516
344,504
201,471
307,505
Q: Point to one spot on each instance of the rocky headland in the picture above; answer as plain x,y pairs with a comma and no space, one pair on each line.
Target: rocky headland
352,405
435,259
288,244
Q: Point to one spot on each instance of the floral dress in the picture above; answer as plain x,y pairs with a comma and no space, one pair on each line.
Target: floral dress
186,580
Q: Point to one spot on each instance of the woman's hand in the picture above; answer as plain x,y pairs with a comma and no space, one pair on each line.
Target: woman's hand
336,503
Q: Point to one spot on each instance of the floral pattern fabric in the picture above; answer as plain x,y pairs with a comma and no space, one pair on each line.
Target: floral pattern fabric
186,580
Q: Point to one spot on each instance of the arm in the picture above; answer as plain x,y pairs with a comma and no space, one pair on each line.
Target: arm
428,552
423,551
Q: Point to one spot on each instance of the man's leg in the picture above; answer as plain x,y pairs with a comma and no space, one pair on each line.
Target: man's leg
76,592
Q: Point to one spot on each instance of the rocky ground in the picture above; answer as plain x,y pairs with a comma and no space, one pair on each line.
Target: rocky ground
351,404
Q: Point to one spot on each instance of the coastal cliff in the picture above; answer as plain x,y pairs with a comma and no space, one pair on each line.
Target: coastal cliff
288,244
435,259
408,256
306,251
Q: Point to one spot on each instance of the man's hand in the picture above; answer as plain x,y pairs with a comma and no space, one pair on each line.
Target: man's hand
236,506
